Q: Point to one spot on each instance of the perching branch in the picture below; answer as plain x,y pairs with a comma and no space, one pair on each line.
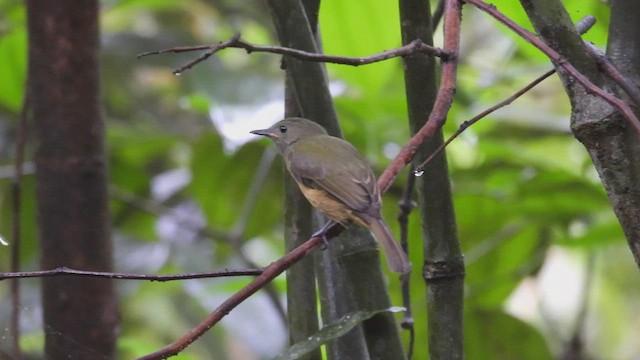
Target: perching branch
415,46
270,272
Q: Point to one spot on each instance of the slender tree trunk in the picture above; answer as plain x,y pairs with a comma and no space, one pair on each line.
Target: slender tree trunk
301,288
80,314
443,268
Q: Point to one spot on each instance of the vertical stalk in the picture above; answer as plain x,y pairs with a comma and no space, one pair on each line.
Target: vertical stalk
443,269
71,177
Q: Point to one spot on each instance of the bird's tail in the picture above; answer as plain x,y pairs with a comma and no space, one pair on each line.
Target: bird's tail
396,257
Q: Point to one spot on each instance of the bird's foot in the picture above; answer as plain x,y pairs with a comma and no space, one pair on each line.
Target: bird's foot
322,234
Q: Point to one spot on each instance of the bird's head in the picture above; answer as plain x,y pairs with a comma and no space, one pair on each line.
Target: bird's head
286,132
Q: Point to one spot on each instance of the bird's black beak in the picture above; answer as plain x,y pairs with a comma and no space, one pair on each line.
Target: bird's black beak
265,132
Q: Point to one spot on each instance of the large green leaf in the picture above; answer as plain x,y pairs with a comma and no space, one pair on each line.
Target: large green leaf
497,264
499,336
136,156
13,65
221,181
330,332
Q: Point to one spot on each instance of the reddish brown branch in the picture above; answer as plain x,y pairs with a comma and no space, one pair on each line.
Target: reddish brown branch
270,272
559,61
444,98
64,271
416,46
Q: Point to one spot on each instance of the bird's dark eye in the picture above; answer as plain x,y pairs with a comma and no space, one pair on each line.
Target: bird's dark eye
283,129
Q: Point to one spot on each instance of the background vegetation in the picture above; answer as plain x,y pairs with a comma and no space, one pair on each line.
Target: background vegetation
547,265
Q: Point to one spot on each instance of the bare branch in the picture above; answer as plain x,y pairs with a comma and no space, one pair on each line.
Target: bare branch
465,125
416,46
64,271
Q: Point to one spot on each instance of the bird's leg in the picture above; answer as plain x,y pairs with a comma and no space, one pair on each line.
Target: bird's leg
322,233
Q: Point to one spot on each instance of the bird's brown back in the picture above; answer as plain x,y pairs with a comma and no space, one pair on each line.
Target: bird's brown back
331,173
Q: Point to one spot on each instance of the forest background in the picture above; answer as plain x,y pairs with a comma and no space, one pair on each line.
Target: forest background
190,190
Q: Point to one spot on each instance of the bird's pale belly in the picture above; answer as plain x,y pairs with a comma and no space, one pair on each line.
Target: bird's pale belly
329,206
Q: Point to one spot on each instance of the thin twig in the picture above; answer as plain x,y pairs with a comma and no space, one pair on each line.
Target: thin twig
465,124
406,206
416,46
582,26
435,121
559,61
64,271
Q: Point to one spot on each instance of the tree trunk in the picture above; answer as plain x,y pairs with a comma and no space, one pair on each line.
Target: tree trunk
80,314
613,145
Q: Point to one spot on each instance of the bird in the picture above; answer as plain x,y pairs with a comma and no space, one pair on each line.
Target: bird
336,179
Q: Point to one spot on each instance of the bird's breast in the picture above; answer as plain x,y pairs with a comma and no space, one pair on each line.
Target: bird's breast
329,206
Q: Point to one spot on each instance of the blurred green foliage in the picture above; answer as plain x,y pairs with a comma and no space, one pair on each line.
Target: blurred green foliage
523,186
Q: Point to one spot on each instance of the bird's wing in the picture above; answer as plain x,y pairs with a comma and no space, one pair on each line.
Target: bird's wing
333,165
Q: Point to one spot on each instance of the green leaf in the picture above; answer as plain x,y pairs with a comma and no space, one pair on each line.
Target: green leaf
350,30
496,264
13,66
373,94
499,336
330,332
199,103
221,182
136,156
597,233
